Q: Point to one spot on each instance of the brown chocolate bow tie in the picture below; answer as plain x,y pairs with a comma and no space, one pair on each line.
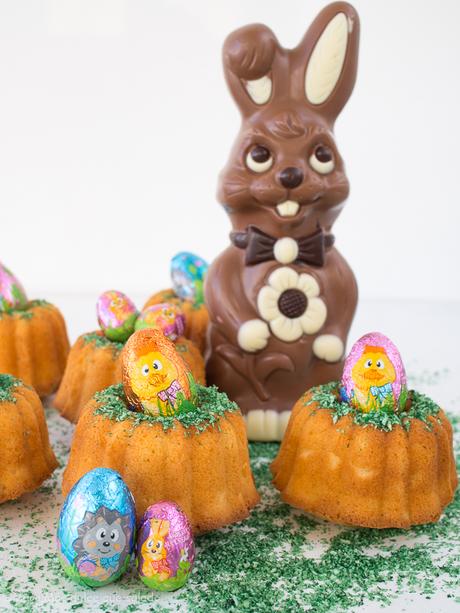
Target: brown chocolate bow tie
260,246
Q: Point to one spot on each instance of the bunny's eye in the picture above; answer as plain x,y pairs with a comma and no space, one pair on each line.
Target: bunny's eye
259,159
322,160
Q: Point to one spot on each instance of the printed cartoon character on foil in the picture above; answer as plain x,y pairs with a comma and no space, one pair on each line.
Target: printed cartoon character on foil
154,552
155,377
166,317
187,273
374,378
165,548
102,544
116,314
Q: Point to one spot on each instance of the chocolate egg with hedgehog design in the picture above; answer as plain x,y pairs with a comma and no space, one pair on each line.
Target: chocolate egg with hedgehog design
374,378
96,529
116,314
156,379
165,550
12,294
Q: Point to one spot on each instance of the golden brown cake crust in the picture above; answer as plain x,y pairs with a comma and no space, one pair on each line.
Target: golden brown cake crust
206,472
34,346
26,456
91,367
363,476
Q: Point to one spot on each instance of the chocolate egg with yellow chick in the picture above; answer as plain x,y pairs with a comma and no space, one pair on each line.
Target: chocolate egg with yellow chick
156,379
374,378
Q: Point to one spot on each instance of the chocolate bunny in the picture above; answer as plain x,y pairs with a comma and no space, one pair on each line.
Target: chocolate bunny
281,298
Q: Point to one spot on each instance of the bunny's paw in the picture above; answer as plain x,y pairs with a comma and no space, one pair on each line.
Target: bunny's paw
253,335
328,347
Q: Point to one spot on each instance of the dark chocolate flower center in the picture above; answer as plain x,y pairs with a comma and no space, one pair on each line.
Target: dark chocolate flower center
292,303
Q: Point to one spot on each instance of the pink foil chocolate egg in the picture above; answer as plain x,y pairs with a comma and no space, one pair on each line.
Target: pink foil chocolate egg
116,315
165,550
165,317
373,377
12,294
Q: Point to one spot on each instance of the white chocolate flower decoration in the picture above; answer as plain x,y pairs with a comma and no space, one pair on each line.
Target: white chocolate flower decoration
291,305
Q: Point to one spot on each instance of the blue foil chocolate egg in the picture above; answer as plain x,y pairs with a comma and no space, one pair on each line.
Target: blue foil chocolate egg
187,273
165,550
96,529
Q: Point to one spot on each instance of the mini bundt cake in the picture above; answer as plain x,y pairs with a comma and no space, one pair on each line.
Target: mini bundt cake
93,365
94,360
363,465
169,438
25,453
33,337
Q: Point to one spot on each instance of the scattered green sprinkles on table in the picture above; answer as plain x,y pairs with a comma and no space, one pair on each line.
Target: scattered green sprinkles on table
279,559
211,405
327,396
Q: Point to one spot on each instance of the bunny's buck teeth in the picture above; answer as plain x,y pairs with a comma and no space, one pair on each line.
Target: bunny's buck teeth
288,208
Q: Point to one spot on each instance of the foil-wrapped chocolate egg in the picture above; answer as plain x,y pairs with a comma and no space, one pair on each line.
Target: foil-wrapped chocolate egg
12,294
156,379
165,317
165,550
96,529
116,315
187,274
374,378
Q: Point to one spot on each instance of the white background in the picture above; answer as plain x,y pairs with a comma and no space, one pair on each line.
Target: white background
115,121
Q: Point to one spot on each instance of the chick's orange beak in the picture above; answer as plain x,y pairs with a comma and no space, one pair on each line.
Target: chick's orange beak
372,375
157,379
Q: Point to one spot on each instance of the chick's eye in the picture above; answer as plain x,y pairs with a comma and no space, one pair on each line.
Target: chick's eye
322,160
259,158
368,364
380,364
157,365
145,370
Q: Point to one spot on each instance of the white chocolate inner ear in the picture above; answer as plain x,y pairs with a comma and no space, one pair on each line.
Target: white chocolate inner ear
260,90
326,61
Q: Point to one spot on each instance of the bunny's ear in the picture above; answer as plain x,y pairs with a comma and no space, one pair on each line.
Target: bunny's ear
330,52
249,55
163,528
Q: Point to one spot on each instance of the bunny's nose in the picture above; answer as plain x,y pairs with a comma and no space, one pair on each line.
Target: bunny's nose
290,177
